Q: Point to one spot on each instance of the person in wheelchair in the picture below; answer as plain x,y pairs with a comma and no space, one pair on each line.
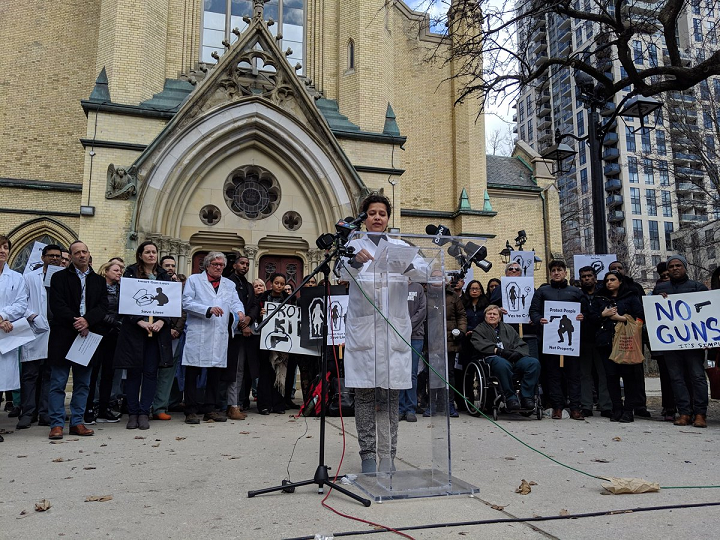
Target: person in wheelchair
508,356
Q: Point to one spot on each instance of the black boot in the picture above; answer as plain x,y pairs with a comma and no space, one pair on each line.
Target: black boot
627,417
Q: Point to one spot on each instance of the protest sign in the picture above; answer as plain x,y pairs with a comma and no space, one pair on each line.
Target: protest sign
526,260
600,263
683,321
561,335
147,298
311,304
83,348
282,333
35,258
337,316
517,293
50,272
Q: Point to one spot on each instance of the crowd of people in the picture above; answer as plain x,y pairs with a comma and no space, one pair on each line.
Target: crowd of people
208,364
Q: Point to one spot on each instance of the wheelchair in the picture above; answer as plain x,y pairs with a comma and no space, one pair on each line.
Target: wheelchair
483,390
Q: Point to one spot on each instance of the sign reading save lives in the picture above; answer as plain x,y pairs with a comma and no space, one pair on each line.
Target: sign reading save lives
146,297
561,335
683,321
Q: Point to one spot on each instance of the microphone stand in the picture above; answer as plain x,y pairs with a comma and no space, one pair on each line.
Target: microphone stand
321,478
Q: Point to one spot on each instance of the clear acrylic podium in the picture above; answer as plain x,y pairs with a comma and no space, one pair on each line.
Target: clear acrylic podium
378,360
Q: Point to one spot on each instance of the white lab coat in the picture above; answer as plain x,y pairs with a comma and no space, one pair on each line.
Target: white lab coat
375,355
37,305
207,338
13,303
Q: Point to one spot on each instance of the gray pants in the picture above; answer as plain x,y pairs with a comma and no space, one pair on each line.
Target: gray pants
589,357
377,412
234,387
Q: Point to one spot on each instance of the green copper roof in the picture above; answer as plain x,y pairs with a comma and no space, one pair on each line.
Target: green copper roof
487,207
331,111
172,96
391,127
101,92
464,201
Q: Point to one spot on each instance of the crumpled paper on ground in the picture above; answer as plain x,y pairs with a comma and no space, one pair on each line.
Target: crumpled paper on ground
618,486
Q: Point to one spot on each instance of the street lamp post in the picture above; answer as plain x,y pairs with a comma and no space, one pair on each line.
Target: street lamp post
636,107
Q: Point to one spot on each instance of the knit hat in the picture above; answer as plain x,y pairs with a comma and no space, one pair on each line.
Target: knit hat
680,258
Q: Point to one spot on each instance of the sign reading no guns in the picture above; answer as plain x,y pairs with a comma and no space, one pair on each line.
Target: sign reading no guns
683,321
147,298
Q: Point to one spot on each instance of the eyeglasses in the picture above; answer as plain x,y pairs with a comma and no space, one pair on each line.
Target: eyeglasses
217,264
50,256
514,269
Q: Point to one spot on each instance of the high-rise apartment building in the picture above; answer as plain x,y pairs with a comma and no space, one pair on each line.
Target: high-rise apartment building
658,175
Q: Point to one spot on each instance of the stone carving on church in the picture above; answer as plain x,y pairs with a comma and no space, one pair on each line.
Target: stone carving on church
121,182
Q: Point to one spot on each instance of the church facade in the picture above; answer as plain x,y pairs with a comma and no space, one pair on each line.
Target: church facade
246,126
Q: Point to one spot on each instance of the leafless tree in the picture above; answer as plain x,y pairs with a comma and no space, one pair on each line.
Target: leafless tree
499,143
492,47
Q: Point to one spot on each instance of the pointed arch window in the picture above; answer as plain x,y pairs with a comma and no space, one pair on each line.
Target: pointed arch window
351,55
221,16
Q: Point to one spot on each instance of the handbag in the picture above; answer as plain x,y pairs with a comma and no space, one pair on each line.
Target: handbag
627,342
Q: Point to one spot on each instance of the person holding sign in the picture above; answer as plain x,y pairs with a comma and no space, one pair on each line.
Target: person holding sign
143,345
35,378
688,362
558,290
13,303
612,304
210,301
78,303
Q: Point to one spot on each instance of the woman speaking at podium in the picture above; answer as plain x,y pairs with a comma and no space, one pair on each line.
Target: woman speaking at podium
377,358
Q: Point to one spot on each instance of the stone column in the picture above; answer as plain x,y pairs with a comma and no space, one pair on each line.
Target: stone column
251,251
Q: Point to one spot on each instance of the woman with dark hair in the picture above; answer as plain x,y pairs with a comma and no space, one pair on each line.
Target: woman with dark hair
494,282
273,365
613,303
112,272
475,302
378,363
143,346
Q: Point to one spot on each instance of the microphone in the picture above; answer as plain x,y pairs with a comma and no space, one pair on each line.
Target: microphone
438,232
346,226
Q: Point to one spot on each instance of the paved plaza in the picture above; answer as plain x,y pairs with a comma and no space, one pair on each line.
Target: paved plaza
180,481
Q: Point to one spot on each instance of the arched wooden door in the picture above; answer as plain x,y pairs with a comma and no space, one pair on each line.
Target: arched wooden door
292,267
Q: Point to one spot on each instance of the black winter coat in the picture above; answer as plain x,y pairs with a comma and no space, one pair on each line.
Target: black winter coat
130,351
679,286
628,302
558,292
64,301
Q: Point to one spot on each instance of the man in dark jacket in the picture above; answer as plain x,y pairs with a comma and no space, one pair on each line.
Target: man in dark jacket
687,362
590,357
78,302
417,307
507,355
241,358
558,290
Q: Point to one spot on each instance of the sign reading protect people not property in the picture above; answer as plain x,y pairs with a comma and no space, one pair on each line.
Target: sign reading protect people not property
561,335
683,321
148,298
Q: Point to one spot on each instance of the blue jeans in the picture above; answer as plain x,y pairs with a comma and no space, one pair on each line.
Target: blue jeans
140,401
408,398
527,368
81,387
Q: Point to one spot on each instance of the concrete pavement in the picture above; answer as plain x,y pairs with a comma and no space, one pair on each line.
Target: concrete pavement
179,481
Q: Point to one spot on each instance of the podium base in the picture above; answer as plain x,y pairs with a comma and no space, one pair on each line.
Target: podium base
412,484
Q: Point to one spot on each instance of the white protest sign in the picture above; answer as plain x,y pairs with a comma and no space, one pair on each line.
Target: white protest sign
35,258
21,334
50,272
600,264
526,260
517,293
83,348
561,335
337,316
683,321
147,298
282,333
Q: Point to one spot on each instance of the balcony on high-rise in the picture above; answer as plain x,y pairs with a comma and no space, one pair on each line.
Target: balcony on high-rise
616,216
611,169
611,154
691,219
689,172
613,185
684,186
611,139
614,200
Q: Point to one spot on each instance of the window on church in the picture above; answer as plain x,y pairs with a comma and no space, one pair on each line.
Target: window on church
351,55
221,16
